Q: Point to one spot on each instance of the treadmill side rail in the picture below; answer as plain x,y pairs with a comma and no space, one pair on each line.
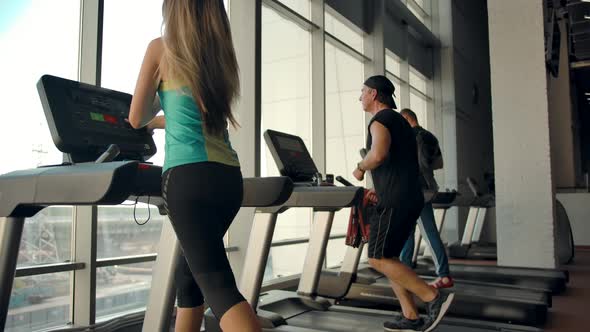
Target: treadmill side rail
158,314
11,230
316,252
258,250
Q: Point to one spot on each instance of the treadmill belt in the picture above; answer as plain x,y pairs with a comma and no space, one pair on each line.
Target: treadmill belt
554,281
343,320
471,301
486,291
521,272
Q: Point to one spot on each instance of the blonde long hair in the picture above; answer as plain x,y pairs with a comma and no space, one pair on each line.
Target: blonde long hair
198,52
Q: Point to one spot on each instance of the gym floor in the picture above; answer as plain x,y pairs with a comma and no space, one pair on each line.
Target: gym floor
570,309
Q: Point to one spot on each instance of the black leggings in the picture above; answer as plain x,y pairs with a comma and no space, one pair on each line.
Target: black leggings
202,200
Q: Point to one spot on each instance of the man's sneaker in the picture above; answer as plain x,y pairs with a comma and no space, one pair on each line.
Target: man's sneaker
444,282
437,308
402,324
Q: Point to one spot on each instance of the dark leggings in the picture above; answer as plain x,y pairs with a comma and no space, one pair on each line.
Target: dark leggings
202,200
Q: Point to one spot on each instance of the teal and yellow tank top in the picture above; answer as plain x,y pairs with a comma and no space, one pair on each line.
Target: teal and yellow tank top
187,140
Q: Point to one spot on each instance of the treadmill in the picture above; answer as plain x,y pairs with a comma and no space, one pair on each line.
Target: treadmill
471,246
287,311
105,165
550,281
553,281
473,299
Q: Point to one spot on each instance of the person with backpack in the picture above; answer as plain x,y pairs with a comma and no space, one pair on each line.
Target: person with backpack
429,159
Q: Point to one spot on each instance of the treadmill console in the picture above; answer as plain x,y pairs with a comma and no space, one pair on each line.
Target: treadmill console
291,156
84,120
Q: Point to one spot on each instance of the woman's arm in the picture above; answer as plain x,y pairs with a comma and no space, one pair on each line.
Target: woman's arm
159,122
143,103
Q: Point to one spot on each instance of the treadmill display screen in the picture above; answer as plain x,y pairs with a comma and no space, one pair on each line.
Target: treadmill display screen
291,156
290,144
84,120
103,118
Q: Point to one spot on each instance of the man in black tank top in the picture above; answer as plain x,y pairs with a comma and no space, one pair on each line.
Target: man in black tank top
392,159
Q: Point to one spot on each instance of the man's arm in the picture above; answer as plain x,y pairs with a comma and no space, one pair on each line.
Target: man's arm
381,141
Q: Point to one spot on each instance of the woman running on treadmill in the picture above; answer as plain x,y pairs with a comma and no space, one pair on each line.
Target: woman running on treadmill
194,72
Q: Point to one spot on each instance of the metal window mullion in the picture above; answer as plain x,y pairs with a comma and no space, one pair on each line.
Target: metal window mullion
292,15
428,7
435,107
85,218
430,108
104,262
341,45
374,43
90,52
435,86
404,66
374,48
418,8
246,23
420,94
296,241
396,78
36,270
318,86
126,260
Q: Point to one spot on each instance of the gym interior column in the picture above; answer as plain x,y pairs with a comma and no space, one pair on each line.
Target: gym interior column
374,48
446,117
374,43
524,188
404,71
245,19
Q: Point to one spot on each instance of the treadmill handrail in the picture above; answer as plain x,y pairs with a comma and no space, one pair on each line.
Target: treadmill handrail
24,193
267,191
258,192
319,198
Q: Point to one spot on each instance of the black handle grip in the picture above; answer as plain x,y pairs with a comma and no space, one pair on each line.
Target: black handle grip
344,181
109,155
363,152
473,186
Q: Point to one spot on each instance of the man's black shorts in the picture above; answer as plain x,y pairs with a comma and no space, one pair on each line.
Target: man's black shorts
390,229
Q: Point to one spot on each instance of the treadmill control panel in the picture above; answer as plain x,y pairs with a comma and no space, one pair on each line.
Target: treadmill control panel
291,156
84,120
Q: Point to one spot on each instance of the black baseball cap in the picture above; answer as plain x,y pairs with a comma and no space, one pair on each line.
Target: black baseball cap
384,87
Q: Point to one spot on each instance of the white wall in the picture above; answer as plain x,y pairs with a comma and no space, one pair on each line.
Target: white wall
577,206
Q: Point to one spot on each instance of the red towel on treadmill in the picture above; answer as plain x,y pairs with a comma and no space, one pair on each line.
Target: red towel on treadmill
358,224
